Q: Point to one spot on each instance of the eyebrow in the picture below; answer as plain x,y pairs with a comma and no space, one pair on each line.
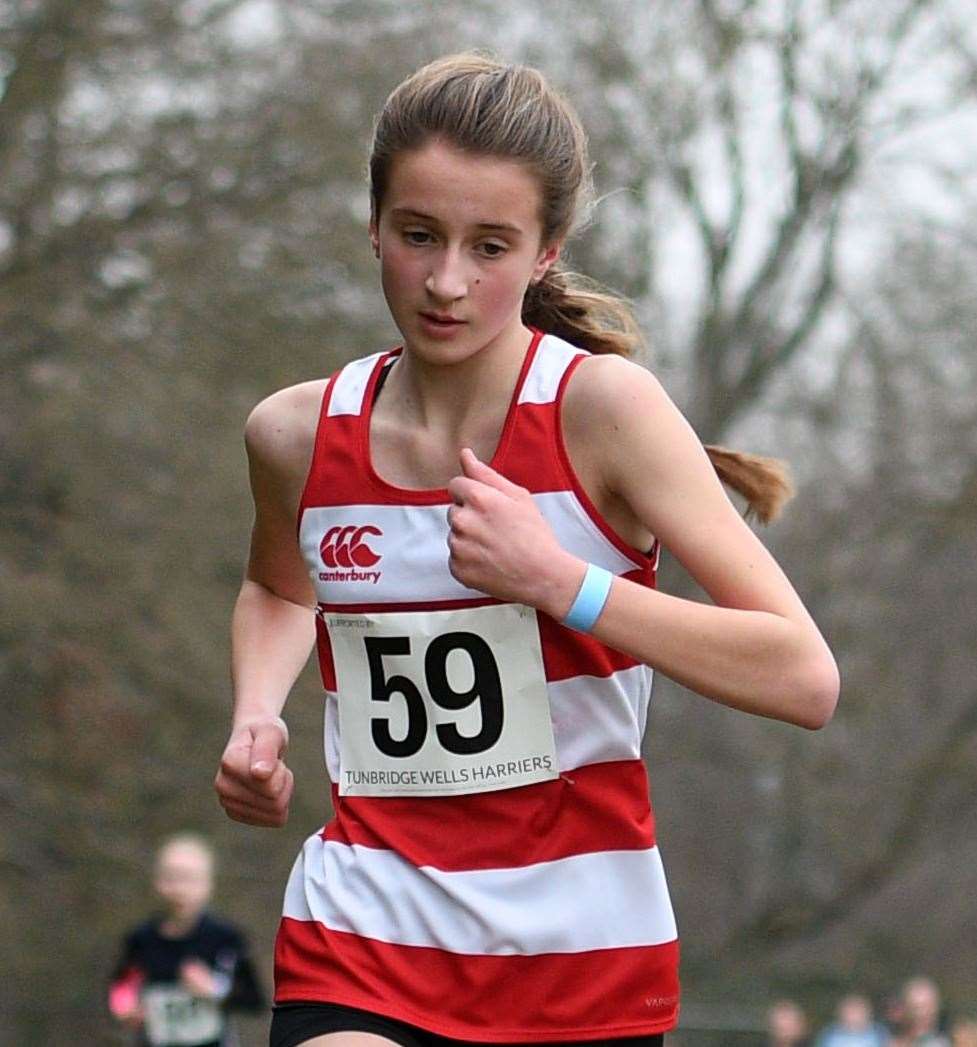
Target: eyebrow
409,212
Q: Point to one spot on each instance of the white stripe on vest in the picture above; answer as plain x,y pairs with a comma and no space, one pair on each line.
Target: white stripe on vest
496,912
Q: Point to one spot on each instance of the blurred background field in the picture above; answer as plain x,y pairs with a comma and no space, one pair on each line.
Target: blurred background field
788,195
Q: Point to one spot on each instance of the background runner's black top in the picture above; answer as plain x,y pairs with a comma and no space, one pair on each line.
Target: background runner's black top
218,944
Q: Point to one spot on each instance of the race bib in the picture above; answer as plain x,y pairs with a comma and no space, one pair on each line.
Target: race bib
440,703
174,1017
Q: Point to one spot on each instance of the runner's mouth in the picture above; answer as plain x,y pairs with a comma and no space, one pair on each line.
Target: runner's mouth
444,321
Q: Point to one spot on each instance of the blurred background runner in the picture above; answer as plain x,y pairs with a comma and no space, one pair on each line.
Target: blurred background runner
183,970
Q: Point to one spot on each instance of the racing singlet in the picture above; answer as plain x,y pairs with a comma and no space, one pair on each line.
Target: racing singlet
491,871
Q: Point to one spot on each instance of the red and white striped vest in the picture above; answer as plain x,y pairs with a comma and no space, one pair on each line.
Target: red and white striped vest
538,913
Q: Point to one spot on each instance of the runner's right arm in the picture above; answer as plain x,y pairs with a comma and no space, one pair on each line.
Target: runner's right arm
273,626
124,984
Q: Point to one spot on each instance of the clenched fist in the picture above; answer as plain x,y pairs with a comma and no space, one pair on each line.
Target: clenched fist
253,784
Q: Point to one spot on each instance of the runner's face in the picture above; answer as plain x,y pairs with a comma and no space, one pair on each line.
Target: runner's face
183,879
459,239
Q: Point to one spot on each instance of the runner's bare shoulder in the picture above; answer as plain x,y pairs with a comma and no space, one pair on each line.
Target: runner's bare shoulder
280,431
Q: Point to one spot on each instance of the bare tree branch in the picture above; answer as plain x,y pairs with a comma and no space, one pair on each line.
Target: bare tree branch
789,919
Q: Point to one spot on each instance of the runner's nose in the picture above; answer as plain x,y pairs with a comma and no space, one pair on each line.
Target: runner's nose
446,281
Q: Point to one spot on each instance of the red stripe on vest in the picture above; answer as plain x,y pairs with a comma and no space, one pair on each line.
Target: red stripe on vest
567,653
327,668
600,807
492,998
334,474
524,465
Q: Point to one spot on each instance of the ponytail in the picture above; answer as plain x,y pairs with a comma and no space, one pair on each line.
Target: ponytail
578,310
764,482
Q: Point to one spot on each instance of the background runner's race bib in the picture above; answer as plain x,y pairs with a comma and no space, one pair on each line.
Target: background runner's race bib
438,703
173,1016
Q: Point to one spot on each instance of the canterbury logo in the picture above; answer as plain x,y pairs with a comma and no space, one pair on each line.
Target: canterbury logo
346,547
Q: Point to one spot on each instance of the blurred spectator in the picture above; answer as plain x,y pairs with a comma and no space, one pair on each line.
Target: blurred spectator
920,1016
964,1033
786,1025
182,970
853,1026
894,1017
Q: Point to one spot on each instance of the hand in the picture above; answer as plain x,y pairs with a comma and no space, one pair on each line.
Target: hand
501,544
198,979
253,784
133,1018
124,999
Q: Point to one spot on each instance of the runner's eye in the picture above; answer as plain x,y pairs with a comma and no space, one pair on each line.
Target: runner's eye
492,249
417,237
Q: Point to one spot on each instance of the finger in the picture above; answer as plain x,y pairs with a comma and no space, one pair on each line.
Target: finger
235,765
248,816
461,553
475,469
461,520
270,744
257,793
255,811
278,782
465,491
270,787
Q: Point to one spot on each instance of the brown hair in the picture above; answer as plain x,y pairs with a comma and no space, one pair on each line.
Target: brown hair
489,108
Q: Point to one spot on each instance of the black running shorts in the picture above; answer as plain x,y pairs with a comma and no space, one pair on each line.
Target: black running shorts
293,1024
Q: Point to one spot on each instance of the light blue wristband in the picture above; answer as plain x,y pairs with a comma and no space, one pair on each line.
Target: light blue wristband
590,600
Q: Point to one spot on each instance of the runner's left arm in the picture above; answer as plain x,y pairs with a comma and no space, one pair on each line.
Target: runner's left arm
754,648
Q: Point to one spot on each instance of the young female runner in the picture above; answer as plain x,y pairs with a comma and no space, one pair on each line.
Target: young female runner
475,517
